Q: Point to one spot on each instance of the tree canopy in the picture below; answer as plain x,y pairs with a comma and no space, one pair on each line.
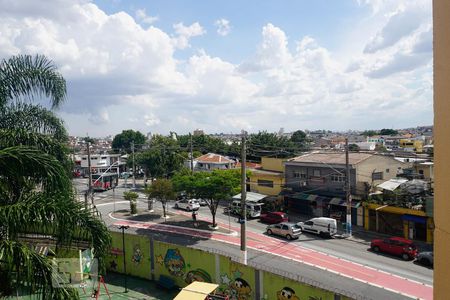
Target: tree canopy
386,131
211,186
122,141
36,193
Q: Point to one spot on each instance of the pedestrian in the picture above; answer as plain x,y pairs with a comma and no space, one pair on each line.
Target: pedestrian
194,218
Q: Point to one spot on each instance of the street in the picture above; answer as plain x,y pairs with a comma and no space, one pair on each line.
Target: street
346,250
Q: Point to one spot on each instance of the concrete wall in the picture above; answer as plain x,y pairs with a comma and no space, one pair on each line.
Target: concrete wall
150,259
441,28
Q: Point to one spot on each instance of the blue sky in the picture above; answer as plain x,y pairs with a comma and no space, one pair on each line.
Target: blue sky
223,66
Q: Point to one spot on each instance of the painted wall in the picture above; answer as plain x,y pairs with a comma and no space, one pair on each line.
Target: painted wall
441,32
273,164
184,265
278,183
280,288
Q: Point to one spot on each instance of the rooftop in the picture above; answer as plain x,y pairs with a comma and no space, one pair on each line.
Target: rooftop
331,158
213,158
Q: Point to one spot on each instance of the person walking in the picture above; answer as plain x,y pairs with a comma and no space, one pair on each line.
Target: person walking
194,218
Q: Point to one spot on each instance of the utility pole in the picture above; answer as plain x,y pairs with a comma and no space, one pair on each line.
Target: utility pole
192,153
134,171
89,173
348,191
243,198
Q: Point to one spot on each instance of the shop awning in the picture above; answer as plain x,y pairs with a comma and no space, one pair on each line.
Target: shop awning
303,196
343,202
250,197
415,219
196,291
391,184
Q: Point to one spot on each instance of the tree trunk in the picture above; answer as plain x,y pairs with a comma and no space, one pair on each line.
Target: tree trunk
214,218
164,209
150,204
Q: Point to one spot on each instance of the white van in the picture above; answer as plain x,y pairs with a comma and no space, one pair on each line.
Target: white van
322,226
253,209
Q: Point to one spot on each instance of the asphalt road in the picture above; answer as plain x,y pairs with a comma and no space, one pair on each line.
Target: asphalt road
341,248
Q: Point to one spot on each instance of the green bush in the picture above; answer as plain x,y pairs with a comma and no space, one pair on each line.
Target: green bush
131,196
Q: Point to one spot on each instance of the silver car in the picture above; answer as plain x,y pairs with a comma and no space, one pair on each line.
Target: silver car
425,258
287,230
187,204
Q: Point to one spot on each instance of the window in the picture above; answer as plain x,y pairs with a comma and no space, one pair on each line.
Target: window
316,173
421,172
337,178
296,174
377,176
387,170
84,158
300,174
266,183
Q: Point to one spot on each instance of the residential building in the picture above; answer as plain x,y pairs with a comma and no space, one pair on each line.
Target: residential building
366,146
102,162
269,179
212,161
316,181
380,140
412,145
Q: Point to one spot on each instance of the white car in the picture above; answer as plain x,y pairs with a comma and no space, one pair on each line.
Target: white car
322,226
187,204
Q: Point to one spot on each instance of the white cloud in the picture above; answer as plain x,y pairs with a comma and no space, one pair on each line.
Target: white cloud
223,27
142,16
185,33
121,75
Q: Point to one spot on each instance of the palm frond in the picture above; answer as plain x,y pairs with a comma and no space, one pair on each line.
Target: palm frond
32,118
23,168
22,267
28,76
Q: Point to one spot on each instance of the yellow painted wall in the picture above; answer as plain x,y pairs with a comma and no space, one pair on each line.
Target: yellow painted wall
278,183
441,32
274,285
183,264
273,164
416,144
236,279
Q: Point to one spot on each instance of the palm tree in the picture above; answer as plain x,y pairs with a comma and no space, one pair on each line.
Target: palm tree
36,194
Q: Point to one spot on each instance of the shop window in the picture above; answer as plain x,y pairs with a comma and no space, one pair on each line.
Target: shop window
266,183
377,176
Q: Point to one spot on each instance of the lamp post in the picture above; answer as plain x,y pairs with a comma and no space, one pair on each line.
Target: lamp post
124,227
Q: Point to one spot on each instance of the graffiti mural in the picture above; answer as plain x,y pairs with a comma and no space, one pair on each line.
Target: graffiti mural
174,262
236,287
197,275
137,255
286,293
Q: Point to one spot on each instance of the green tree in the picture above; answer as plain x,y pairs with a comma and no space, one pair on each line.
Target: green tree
132,197
386,131
161,190
163,158
264,143
299,136
353,147
36,193
369,133
213,187
122,141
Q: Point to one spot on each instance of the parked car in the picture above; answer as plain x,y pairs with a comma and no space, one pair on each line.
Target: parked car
322,226
202,202
187,204
287,230
396,246
125,175
274,217
253,209
425,258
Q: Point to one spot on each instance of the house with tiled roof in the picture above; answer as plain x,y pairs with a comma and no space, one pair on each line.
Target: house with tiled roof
212,161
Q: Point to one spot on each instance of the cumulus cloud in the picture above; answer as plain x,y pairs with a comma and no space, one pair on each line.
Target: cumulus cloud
223,27
185,33
142,16
122,75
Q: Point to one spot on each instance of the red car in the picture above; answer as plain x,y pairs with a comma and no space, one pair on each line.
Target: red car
395,246
274,217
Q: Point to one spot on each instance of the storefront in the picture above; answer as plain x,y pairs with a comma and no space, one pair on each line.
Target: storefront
338,211
398,221
307,204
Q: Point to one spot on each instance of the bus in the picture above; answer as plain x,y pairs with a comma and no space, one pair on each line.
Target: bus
103,182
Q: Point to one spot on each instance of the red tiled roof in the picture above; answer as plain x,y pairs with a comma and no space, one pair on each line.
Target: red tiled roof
213,158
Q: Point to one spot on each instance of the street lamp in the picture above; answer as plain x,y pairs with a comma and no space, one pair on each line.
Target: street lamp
124,227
